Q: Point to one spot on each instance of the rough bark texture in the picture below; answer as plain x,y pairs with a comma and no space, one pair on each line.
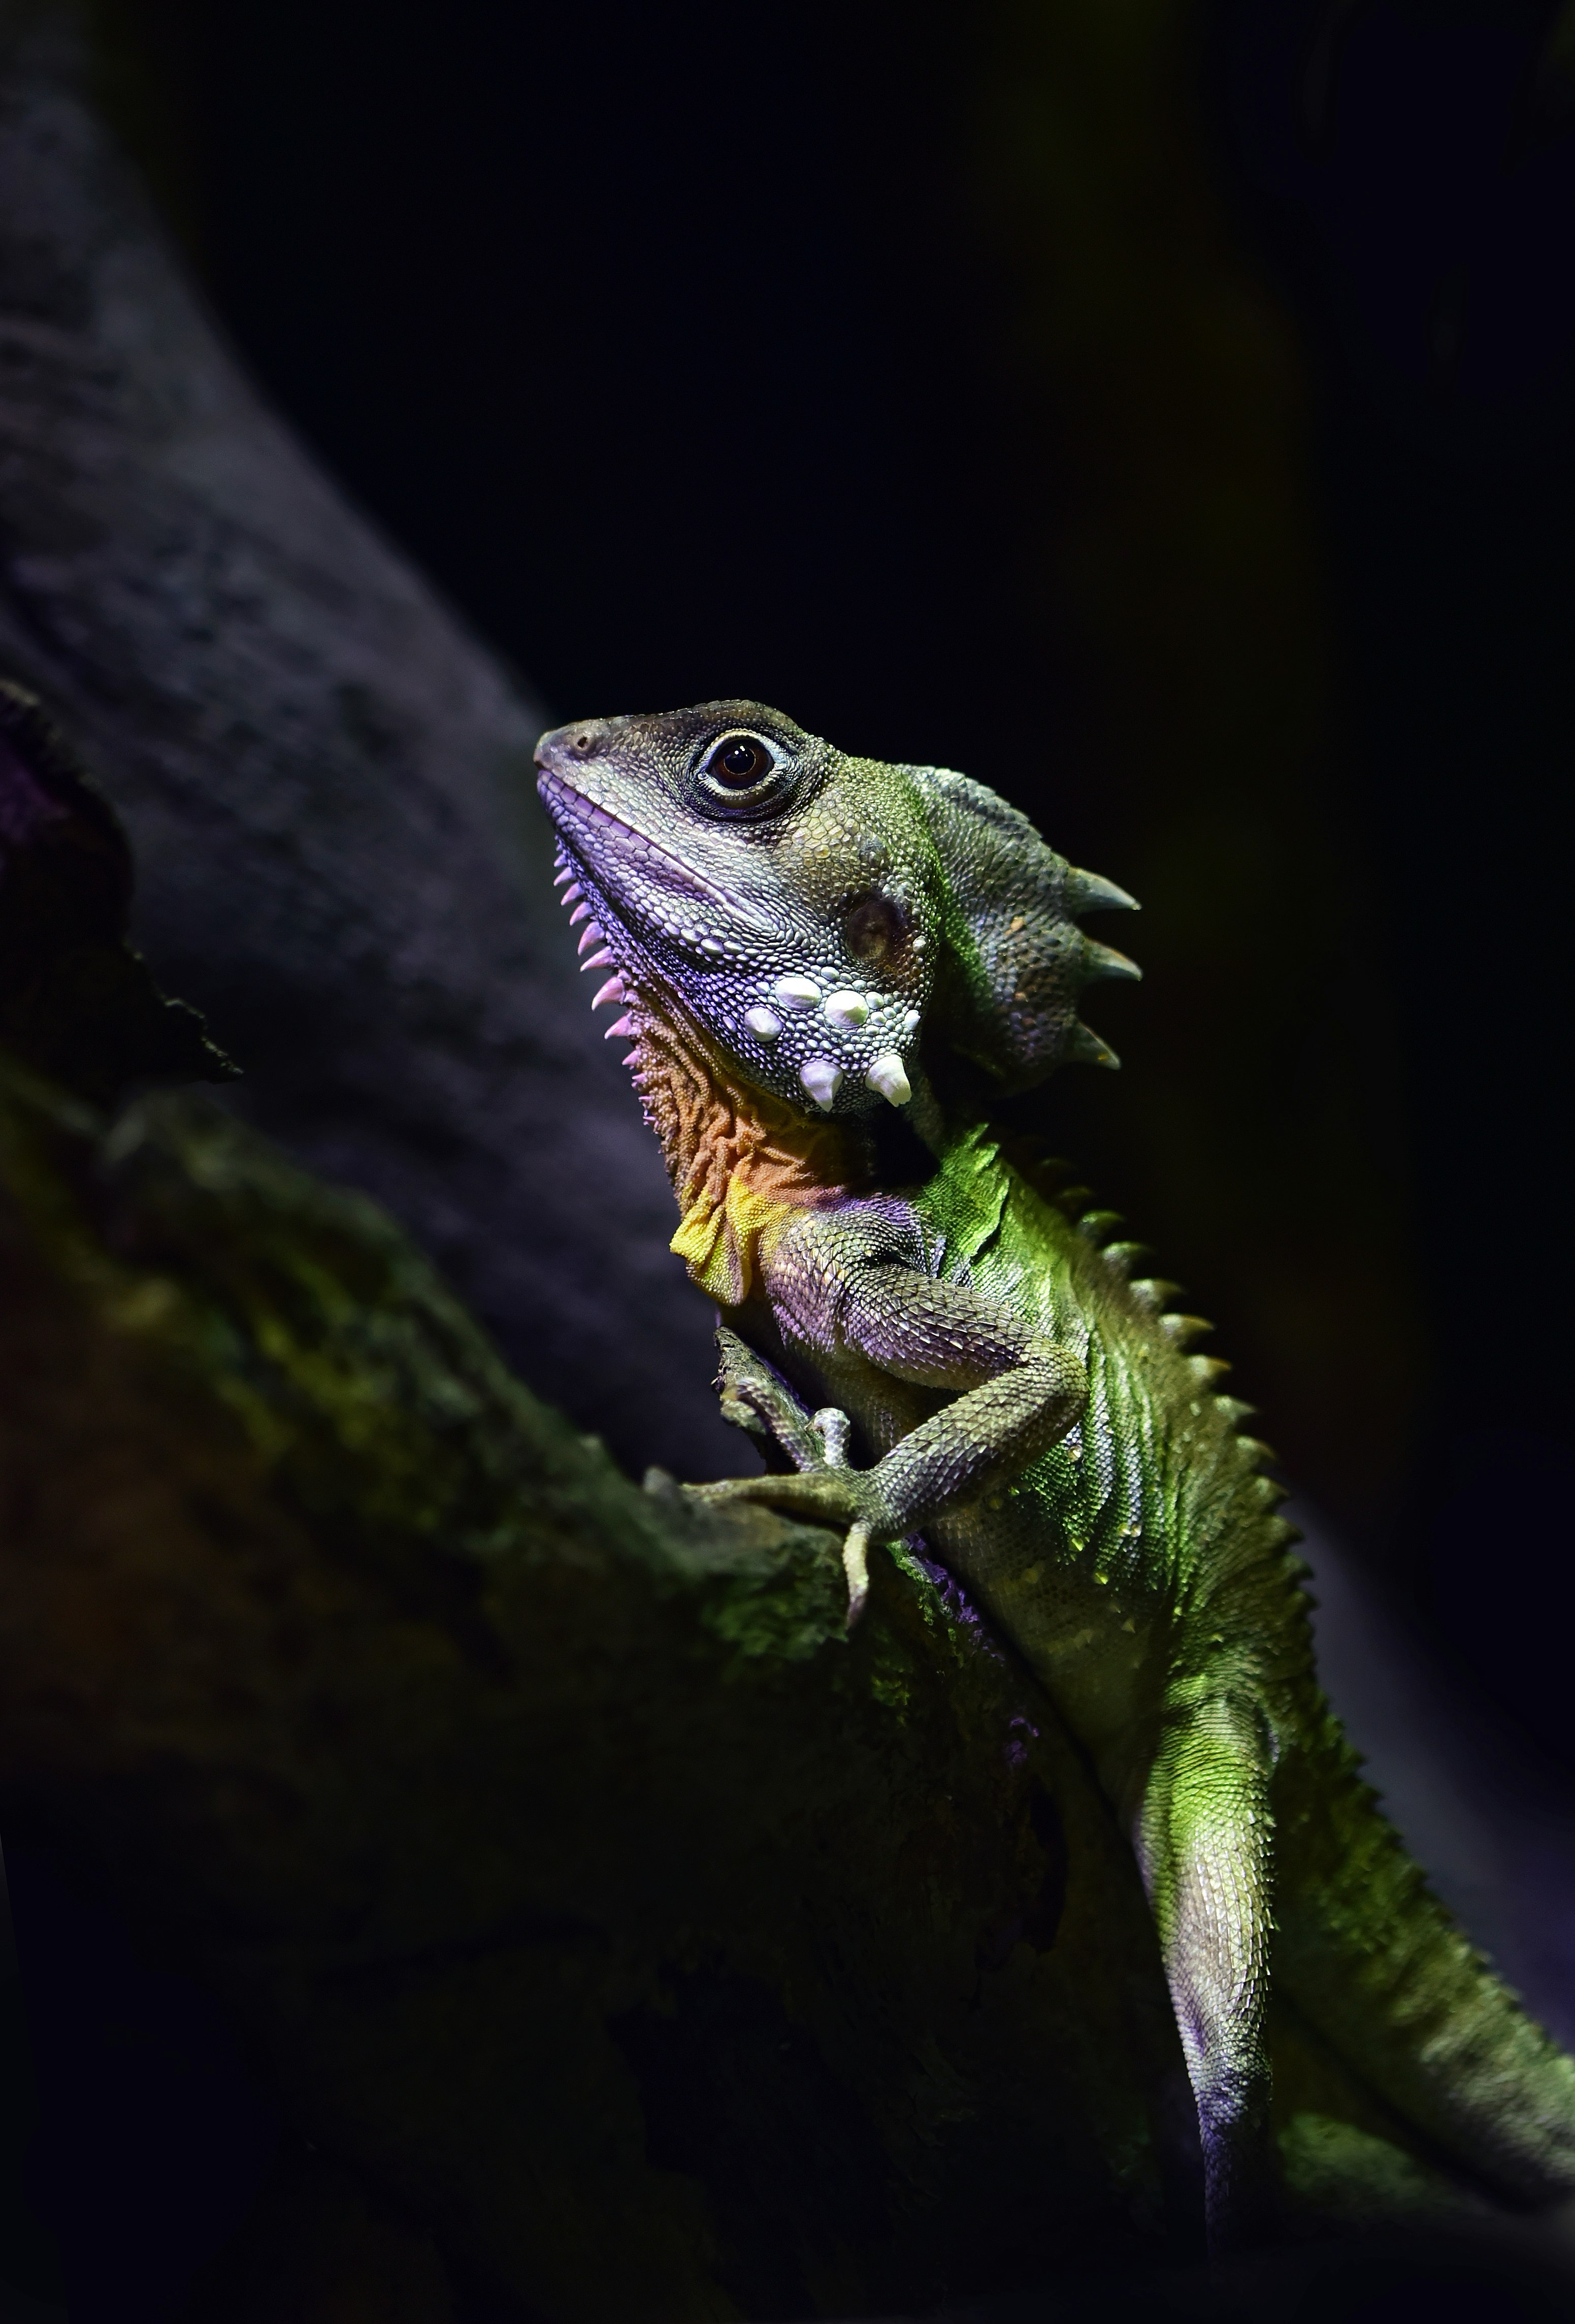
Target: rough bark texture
617,1937
493,1791
625,1941
328,786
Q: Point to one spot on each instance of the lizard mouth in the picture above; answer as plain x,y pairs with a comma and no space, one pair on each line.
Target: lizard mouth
611,845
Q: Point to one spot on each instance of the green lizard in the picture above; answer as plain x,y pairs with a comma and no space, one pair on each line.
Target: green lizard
825,966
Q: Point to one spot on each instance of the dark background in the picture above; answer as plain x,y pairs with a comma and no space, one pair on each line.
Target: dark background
1163,415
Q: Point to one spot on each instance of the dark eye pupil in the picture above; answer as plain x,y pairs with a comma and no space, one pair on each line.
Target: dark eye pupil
739,762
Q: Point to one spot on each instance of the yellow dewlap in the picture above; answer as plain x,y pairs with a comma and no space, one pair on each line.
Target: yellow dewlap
719,1242
741,1160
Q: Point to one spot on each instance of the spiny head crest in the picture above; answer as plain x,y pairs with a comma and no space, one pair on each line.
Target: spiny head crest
1015,961
814,913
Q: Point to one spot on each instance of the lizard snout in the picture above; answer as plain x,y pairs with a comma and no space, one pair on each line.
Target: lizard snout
564,748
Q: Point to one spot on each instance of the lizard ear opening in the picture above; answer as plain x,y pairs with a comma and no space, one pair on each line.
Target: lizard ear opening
1014,961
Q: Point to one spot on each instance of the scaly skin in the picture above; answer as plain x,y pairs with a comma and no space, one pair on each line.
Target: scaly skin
1011,1391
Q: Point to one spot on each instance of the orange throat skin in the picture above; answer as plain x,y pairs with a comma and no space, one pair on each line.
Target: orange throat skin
740,1161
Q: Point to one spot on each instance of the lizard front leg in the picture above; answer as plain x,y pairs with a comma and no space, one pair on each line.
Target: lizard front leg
845,1281
756,1398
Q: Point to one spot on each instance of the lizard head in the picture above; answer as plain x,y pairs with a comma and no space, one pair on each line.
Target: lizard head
815,914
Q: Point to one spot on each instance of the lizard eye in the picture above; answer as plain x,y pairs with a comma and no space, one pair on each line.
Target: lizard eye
739,762
741,774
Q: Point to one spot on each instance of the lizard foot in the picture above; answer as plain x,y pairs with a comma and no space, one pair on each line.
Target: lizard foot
756,1398
846,1498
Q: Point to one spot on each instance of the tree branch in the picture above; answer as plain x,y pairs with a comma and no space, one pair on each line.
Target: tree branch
328,782
584,1893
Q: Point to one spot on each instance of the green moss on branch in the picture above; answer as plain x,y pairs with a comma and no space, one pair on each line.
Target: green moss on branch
630,1940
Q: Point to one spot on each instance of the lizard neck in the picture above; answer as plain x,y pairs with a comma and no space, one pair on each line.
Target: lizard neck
740,1161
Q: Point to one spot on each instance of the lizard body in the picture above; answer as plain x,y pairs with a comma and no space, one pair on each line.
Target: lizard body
807,948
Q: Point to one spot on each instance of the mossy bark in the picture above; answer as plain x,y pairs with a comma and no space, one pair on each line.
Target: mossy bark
328,782
618,1934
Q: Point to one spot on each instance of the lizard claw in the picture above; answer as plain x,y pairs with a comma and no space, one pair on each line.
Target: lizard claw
831,1425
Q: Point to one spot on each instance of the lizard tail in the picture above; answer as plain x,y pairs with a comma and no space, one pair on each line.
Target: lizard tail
1375,1961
